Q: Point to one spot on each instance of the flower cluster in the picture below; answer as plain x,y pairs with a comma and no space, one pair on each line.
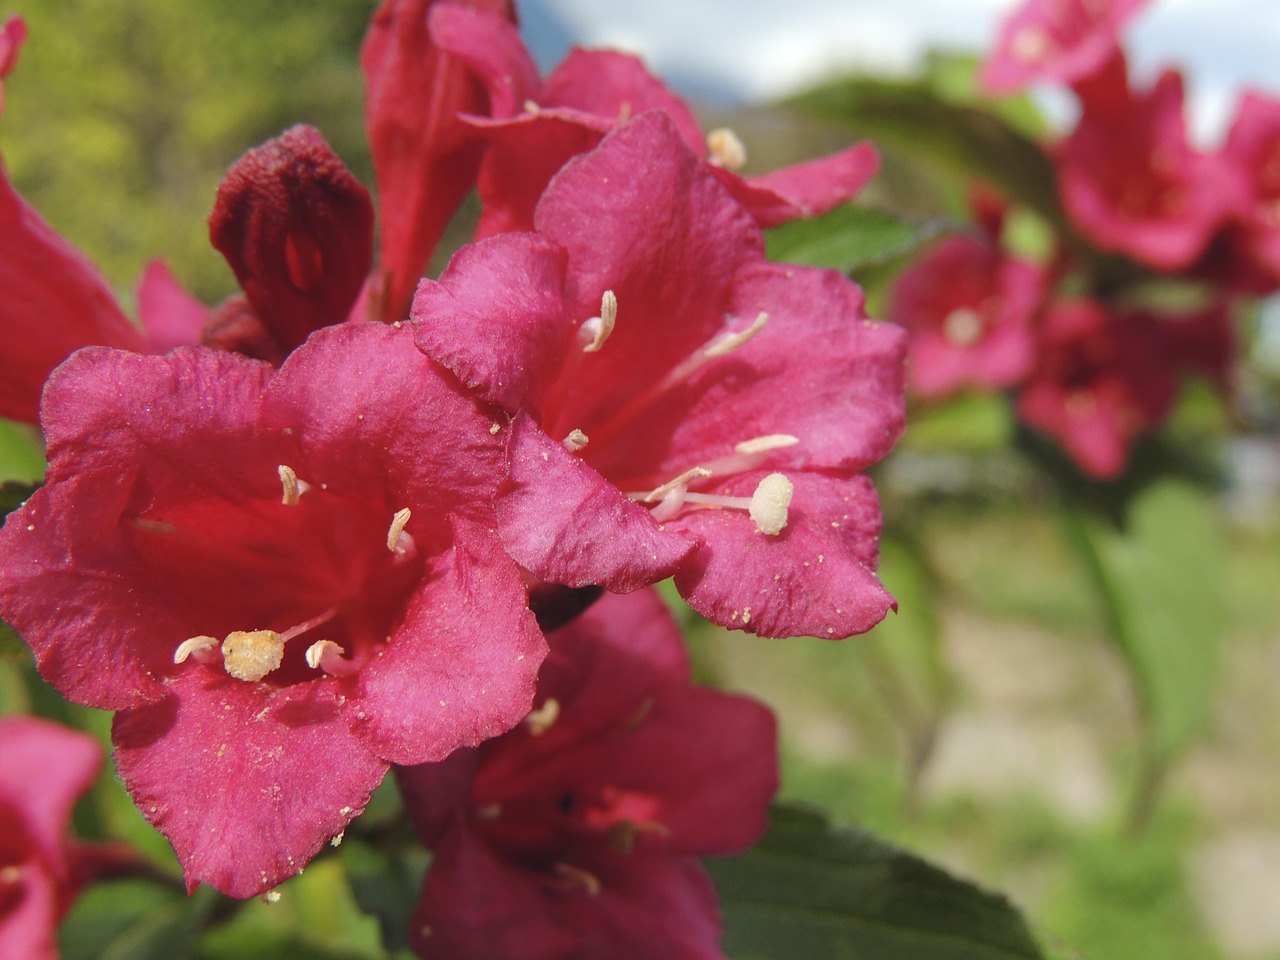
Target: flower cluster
319,530
1094,359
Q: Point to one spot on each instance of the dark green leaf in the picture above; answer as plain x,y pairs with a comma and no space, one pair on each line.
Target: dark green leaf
385,885
11,645
13,495
132,920
820,892
849,238
21,454
255,942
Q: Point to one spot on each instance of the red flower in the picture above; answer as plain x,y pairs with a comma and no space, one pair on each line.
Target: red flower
575,835
969,311
12,34
424,157
283,581
1100,380
538,126
1252,150
1061,41
1133,184
672,391
44,769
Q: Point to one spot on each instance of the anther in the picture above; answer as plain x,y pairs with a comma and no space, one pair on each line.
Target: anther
397,540
599,328
293,487
660,492
576,440
770,502
962,327
328,656
728,342
541,720
582,878
772,441
252,654
202,648
726,149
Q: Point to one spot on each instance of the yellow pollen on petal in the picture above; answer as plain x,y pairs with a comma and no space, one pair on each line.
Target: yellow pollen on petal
194,646
772,441
599,328
541,720
398,522
729,342
252,654
726,149
770,502
576,440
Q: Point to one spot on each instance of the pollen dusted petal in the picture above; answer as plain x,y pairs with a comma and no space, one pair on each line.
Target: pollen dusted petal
252,654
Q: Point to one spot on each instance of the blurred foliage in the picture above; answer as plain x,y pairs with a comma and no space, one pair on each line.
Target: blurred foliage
123,115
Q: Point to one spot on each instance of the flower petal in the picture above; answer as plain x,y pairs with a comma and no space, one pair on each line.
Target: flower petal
169,314
803,190
246,780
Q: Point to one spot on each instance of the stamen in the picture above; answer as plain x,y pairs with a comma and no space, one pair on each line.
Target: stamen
622,835
10,874
397,540
293,487
202,648
582,878
531,106
726,149
963,327
658,493
328,656
576,440
541,720
728,342
770,502
599,328
772,441
252,654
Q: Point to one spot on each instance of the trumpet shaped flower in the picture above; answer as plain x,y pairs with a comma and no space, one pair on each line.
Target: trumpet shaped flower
680,405
283,581
577,833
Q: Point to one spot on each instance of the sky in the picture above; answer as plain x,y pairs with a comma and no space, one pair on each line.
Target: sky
742,51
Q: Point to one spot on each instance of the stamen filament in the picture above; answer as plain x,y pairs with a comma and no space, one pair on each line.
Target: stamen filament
586,880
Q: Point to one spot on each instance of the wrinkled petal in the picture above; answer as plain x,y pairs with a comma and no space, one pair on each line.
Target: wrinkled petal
55,301
463,664
170,315
815,578
297,229
247,781
509,287
566,524
424,158
803,190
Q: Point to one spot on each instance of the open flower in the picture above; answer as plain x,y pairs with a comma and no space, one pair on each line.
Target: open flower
681,405
576,834
969,311
283,581
1064,41
538,126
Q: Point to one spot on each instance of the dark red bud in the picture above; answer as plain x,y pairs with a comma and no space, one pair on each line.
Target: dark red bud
297,229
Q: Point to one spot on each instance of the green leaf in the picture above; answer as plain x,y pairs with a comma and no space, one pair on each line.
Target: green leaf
812,890
849,238
257,942
1160,579
11,645
132,920
13,495
385,885
21,454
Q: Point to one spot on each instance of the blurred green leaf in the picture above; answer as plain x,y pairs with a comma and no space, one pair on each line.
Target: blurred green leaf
11,645
21,455
132,920
812,890
849,238
252,942
1160,578
13,495
970,421
385,885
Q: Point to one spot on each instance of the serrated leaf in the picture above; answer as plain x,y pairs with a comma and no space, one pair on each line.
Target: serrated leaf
812,890
1161,582
849,238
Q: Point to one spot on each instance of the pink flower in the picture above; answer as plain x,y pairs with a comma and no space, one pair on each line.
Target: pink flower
674,392
425,159
538,126
284,581
969,311
1061,41
1100,380
575,835
44,769
1252,150
1133,184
